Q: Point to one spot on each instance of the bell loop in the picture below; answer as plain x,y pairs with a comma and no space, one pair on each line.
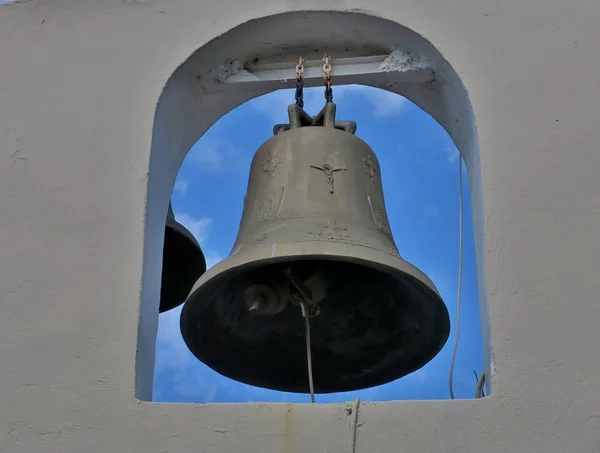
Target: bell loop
325,118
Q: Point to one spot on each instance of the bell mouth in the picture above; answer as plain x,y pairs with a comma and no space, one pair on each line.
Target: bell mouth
380,320
183,264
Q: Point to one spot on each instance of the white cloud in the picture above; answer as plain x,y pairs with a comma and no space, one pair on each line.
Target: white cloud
198,227
193,384
212,258
274,105
430,212
384,103
180,186
451,153
421,375
444,283
217,157
186,377
173,357
171,351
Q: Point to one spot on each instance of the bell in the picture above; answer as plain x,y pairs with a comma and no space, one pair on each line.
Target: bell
314,234
183,264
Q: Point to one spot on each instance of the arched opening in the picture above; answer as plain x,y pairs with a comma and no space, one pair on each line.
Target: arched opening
195,98
419,165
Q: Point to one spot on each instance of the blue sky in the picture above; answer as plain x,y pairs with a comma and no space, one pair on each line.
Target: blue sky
419,166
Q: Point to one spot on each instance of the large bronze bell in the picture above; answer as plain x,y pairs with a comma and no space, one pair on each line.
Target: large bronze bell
183,264
314,226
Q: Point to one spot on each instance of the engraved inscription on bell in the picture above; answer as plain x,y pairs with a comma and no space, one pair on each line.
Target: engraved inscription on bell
380,218
268,206
370,168
252,241
271,164
331,231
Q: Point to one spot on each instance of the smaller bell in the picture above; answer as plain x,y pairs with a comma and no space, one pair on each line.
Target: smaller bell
183,264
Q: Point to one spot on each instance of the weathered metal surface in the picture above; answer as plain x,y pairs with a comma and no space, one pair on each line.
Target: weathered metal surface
315,207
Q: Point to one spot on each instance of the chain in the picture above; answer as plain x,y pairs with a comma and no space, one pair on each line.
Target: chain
300,82
327,78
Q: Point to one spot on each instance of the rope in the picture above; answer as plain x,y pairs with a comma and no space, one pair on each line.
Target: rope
308,352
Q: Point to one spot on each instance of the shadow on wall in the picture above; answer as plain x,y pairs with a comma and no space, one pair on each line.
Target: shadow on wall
419,171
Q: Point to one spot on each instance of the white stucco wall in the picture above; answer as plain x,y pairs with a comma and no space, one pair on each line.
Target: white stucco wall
88,159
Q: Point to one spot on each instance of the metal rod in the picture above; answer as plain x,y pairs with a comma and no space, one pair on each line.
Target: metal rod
400,67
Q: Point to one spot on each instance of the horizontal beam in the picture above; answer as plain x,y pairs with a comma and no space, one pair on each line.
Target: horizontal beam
398,67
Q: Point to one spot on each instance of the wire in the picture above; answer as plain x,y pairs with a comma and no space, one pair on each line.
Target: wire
308,352
460,265
479,392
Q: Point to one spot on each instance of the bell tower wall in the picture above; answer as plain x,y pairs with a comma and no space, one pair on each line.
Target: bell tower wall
101,100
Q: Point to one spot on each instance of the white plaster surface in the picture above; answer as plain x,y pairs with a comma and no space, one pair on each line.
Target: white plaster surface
88,156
